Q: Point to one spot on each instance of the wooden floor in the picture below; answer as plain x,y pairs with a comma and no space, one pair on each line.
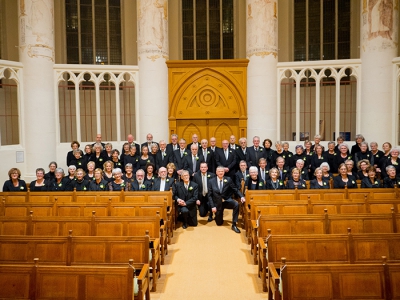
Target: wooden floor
209,262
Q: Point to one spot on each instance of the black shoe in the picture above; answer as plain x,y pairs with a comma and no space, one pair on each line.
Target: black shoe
184,226
210,218
235,229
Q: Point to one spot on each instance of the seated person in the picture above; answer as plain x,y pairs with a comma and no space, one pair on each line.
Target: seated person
326,174
90,171
391,180
40,184
371,181
60,182
319,182
118,184
162,183
263,170
283,172
220,191
344,179
362,167
80,183
128,175
14,184
254,181
185,195
98,183
140,184
133,159
350,168
50,175
274,183
241,175
303,171
115,159
296,181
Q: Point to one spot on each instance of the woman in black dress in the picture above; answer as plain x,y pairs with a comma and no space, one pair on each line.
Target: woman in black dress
371,181
115,159
326,174
88,151
273,183
254,182
357,146
145,158
80,183
90,171
362,167
40,184
98,183
14,184
267,144
108,167
319,182
133,159
350,168
394,160
79,161
70,155
118,184
344,179
392,179
128,175
50,176
60,182
126,150
149,175
342,155
171,172
296,181
98,156
317,158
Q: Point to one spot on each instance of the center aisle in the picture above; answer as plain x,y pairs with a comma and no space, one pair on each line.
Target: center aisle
209,262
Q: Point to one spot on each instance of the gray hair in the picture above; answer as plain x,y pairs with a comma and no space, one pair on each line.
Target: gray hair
253,168
390,167
395,149
59,170
72,167
116,171
325,164
343,145
300,161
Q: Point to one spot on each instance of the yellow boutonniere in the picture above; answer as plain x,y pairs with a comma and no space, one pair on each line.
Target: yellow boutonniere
284,171
137,159
225,180
377,155
142,186
21,188
208,152
352,182
284,156
101,186
84,188
247,175
184,153
324,183
303,185
395,163
349,157
152,177
290,155
60,184
261,149
304,158
367,155
148,160
334,154
208,175
280,183
100,159
190,188
230,151
122,184
376,182
302,172
197,158
165,154
260,184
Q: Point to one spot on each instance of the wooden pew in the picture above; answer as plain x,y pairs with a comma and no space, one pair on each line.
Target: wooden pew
74,282
321,224
333,281
332,248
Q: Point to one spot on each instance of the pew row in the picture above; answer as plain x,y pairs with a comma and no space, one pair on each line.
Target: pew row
334,248
321,224
128,281
333,281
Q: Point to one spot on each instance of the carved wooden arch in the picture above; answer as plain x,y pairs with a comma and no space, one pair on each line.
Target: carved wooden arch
208,91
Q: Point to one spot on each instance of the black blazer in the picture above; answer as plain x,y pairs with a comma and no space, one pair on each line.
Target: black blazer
197,178
178,160
64,185
239,177
170,147
251,158
9,186
143,187
101,186
229,163
134,160
228,190
259,185
390,183
366,183
314,185
157,184
301,186
240,156
160,162
188,163
209,159
338,183
190,196
270,186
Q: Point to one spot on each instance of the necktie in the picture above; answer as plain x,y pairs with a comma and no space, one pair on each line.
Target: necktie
256,152
162,155
280,171
194,164
205,155
220,186
181,153
186,187
263,175
244,175
204,185
162,185
226,154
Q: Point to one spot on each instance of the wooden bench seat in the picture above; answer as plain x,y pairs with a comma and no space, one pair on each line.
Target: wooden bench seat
321,224
74,282
332,248
333,281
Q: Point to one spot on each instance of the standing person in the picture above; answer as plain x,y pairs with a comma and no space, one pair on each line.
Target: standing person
162,183
213,144
241,152
185,196
226,158
317,158
279,152
60,183
145,158
98,141
201,178
115,159
149,141
394,160
376,156
163,157
255,152
98,156
179,156
220,192
195,141
357,146
40,184
70,155
171,147
317,141
363,153
191,162
267,144
232,143
14,184
343,155
131,142
330,155
208,155
133,159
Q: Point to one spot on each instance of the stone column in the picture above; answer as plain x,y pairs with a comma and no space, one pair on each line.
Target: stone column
36,52
379,35
153,72
262,52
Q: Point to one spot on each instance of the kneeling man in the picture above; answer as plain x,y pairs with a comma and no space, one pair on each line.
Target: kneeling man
220,192
185,195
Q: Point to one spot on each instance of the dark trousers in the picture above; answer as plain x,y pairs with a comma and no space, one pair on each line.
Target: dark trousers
204,208
185,217
230,204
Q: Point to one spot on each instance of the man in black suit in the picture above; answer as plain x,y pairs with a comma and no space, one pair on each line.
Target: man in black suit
185,196
171,147
98,141
201,178
208,155
255,152
195,141
162,183
263,170
220,192
179,156
163,158
139,184
283,172
226,158
191,162
149,141
213,144
232,143
241,152
242,174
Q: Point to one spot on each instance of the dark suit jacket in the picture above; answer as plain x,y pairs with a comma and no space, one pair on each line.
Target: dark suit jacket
170,147
190,196
290,184
157,183
229,163
228,190
315,185
252,160
239,177
240,156
209,159
190,145
197,178
160,162
188,163
144,187
178,160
